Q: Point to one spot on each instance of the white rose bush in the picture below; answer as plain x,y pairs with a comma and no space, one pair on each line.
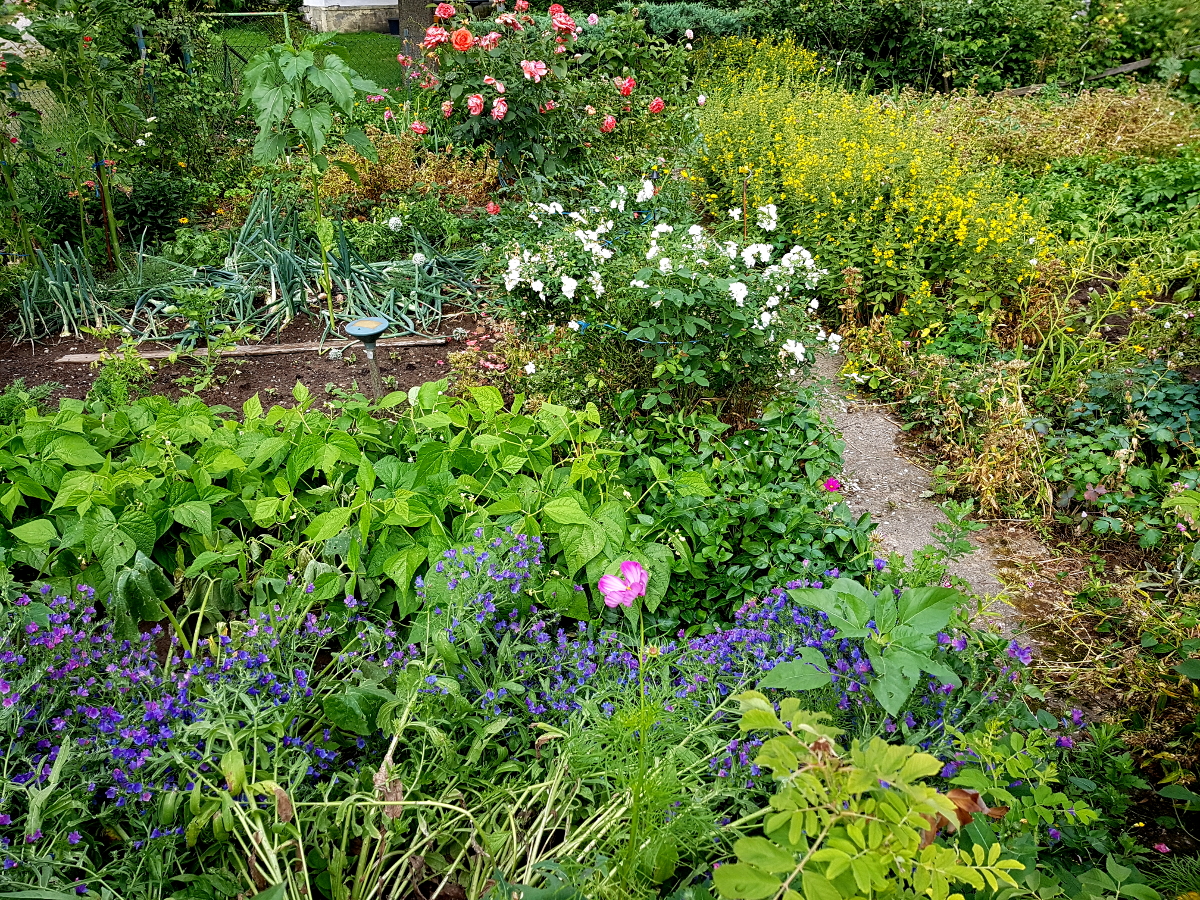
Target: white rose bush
671,314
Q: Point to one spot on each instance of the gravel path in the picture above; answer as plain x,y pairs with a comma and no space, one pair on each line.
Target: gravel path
898,494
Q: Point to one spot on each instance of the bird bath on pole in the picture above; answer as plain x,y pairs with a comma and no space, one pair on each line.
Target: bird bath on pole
368,331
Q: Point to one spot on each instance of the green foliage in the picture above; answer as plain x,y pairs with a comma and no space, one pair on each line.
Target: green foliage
743,511
898,634
845,825
16,398
674,20
377,497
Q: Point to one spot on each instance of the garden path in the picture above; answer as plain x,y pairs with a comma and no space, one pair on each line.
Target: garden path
878,478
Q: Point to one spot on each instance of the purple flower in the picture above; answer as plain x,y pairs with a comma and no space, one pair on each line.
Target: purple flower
880,564
74,838
1065,741
1055,834
1023,655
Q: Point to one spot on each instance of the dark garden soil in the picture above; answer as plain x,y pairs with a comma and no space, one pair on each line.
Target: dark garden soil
241,377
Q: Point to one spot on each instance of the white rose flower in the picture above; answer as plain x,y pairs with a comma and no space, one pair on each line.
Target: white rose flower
568,287
739,292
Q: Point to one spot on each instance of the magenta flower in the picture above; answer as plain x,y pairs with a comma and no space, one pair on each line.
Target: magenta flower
621,591
832,484
1162,848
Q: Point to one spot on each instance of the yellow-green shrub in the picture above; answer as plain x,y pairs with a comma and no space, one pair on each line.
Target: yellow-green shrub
866,184
767,60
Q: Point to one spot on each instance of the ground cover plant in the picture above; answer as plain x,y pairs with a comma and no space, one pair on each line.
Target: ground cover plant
595,614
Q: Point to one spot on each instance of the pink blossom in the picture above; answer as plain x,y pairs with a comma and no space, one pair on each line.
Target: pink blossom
609,123
593,19
388,114
404,60
510,20
563,23
521,5
499,109
498,85
489,41
419,127
533,68
434,35
622,591
444,11
447,108
547,106
590,110
626,87
1162,848
560,49
832,485
657,105
492,207
475,104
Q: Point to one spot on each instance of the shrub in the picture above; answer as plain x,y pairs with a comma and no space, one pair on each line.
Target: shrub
875,192
543,90
695,318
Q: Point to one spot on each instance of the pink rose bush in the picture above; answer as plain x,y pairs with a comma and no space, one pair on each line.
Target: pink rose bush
523,82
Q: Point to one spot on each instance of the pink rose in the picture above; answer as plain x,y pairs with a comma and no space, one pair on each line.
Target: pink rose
498,85
489,41
547,106
521,5
555,8
657,105
560,49
434,35
404,60
447,108
563,23
534,69
593,19
388,115
419,127
590,110
444,11
609,123
499,109
510,20
626,87
475,104
493,207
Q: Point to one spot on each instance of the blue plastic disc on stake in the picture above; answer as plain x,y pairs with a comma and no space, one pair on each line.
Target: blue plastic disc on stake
367,330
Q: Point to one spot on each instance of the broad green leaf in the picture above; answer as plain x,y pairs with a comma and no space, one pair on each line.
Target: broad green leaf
928,609
194,514
809,672
328,524
765,855
233,767
39,532
567,511
739,881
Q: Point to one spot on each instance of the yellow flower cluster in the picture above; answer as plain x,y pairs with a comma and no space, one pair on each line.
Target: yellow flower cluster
734,60
863,182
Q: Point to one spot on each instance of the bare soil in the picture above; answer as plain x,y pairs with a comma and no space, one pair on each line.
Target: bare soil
242,377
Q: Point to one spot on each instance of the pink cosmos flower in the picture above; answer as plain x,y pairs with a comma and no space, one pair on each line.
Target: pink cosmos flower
609,123
447,108
832,484
621,591
419,127
657,105
593,19
533,68
434,35
444,11
499,109
475,104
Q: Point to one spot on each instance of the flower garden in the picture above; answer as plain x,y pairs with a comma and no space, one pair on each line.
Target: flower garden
560,591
